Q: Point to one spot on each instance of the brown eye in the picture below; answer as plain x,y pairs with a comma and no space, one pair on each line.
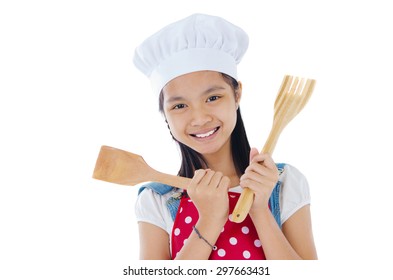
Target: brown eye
213,98
179,106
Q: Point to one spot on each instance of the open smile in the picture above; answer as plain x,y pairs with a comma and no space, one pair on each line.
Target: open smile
206,134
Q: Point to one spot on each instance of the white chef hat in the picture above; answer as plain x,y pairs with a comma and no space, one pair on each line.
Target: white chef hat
198,42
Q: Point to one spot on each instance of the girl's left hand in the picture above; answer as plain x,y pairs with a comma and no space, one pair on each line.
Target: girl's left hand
261,177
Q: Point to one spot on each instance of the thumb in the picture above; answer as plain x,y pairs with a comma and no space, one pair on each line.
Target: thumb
253,153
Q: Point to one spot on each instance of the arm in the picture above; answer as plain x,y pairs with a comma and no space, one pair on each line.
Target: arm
295,241
298,231
196,248
209,192
153,242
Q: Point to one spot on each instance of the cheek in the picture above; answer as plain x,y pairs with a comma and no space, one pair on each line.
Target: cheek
230,120
234,121
175,126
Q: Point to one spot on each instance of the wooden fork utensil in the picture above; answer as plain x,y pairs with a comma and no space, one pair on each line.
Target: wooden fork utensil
291,99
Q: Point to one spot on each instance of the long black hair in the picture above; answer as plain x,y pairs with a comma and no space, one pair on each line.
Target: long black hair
240,147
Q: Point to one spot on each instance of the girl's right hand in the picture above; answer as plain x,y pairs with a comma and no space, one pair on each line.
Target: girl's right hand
209,192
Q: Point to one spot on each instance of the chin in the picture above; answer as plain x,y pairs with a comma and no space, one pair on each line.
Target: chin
209,149
206,152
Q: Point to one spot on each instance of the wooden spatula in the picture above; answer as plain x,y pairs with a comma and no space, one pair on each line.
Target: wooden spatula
125,168
291,98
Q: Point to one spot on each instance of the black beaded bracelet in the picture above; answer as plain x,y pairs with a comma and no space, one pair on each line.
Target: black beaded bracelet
214,248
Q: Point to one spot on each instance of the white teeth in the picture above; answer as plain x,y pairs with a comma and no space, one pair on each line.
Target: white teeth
206,134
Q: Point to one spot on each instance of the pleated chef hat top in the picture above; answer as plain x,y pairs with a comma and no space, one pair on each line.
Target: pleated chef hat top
198,42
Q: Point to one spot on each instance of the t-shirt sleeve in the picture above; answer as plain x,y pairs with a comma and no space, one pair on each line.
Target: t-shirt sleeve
295,192
150,208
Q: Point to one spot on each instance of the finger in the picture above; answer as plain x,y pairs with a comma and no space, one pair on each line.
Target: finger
215,180
256,186
205,181
260,173
225,184
269,162
265,159
252,175
258,168
260,179
259,157
247,183
198,175
253,152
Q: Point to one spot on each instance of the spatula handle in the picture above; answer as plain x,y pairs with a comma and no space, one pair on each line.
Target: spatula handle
171,180
246,198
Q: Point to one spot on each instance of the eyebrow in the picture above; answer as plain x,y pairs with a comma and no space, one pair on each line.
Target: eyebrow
212,89
206,92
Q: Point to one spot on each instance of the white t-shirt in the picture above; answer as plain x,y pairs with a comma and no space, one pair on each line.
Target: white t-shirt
151,207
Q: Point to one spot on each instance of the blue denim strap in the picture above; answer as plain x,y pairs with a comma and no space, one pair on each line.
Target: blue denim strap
274,200
156,187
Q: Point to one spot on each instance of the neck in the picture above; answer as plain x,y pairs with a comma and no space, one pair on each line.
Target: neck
222,161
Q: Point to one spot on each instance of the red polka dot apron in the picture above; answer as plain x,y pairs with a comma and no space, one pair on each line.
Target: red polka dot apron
237,241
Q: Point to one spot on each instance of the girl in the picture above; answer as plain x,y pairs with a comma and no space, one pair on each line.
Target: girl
192,66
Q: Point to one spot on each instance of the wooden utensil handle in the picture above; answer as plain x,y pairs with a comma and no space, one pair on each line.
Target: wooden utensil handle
171,180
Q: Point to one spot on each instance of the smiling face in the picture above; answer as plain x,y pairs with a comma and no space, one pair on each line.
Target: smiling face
200,109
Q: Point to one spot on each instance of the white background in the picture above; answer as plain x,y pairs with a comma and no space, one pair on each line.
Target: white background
68,86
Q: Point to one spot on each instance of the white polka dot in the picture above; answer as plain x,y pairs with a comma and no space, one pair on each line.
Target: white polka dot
257,243
185,240
246,254
177,231
232,196
188,220
245,230
233,240
221,252
181,209
223,229
189,200
230,217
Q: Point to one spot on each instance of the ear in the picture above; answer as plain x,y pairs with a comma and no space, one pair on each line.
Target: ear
238,94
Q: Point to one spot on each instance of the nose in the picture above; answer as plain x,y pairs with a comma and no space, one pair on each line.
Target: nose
200,116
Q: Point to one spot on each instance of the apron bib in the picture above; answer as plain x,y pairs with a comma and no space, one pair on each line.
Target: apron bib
237,241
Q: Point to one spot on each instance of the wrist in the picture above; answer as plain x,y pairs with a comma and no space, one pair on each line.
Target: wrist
260,213
211,223
200,236
213,220
207,232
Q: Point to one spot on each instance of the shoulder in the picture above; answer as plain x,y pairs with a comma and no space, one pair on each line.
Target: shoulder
291,175
155,193
295,192
151,205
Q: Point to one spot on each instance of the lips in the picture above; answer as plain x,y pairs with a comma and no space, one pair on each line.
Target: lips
206,134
